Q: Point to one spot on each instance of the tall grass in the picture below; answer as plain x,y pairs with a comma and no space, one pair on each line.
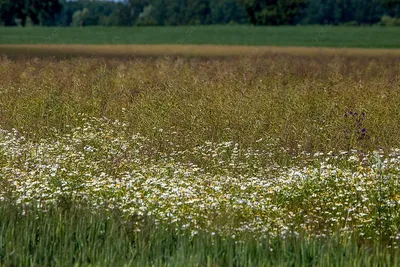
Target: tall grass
76,237
300,100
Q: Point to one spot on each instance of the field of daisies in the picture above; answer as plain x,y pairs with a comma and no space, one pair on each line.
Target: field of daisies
223,189
210,172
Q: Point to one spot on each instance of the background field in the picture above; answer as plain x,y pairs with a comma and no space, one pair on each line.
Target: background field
192,51
315,36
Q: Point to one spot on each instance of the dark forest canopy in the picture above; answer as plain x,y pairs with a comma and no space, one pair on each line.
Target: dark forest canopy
189,12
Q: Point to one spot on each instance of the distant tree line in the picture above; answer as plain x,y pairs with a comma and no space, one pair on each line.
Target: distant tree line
189,12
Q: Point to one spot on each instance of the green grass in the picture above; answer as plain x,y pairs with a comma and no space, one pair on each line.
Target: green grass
75,237
319,36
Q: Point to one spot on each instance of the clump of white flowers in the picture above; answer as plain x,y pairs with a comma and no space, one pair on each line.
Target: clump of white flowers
220,188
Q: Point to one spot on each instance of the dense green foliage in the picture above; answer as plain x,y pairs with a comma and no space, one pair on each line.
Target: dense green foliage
184,12
316,36
36,11
274,12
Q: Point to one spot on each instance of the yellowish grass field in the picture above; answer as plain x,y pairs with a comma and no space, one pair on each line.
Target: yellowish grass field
181,50
300,99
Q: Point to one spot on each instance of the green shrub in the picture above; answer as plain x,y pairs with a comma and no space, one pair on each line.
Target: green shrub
389,21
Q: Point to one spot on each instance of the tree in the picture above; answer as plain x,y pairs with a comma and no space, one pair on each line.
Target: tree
159,11
40,12
176,13
227,11
120,16
16,10
391,3
343,11
393,7
199,12
135,8
7,15
273,12
43,12
146,18
367,11
80,16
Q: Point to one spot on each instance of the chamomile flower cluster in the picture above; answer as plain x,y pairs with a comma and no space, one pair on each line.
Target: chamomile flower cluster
216,187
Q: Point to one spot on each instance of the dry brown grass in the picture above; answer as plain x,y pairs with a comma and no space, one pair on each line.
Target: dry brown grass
182,50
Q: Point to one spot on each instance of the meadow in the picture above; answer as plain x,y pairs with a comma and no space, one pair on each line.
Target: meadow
261,160
305,36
